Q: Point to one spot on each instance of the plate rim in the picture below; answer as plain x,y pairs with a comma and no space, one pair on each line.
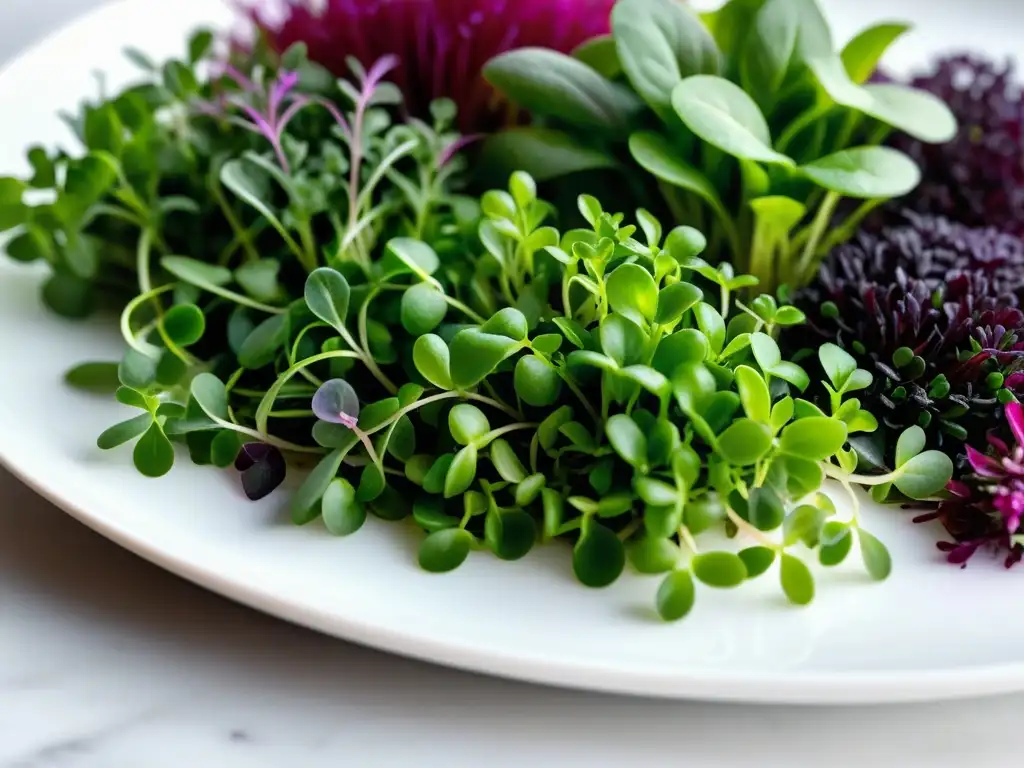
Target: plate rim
810,687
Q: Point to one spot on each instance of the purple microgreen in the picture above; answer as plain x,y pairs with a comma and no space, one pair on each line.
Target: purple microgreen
263,469
337,402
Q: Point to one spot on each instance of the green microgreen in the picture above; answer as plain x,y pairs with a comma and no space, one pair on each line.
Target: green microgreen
748,121
298,277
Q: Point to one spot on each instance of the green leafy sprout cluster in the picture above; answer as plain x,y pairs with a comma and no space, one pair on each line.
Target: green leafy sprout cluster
630,420
750,123
297,276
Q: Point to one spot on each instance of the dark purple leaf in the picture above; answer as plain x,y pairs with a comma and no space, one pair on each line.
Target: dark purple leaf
263,469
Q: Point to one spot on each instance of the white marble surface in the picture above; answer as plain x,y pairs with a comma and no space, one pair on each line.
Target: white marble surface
107,662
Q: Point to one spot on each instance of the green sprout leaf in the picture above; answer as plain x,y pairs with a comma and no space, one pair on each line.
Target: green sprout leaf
657,155
467,423
445,550
536,382
507,463
766,351
342,514
423,308
632,292
431,357
835,543
719,569
911,442
510,534
550,83
757,560
628,440
211,395
327,296
154,454
675,301
676,596
652,556
925,475
475,354
407,255
94,377
724,116
184,324
305,503
839,364
754,395
863,53
124,432
659,44
815,438
865,172
797,581
921,114
877,559
461,473
744,442
598,557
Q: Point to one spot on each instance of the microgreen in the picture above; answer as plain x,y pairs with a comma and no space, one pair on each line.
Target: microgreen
305,284
763,126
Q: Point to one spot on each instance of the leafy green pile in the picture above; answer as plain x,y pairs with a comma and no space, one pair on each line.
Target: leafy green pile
751,125
602,399
299,279
260,178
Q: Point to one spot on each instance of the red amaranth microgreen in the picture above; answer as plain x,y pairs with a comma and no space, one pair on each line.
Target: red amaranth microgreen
985,506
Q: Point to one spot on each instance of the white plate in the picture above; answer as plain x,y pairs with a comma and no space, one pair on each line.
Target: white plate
931,631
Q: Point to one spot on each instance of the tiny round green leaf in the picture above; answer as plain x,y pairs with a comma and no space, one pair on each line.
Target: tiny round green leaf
510,535
467,423
676,596
445,550
924,475
154,454
877,559
628,440
814,438
536,382
757,560
342,514
423,308
184,324
744,442
631,289
431,357
719,569
835,543
327,296
796,579
461,473
506,462
599,557
653,555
